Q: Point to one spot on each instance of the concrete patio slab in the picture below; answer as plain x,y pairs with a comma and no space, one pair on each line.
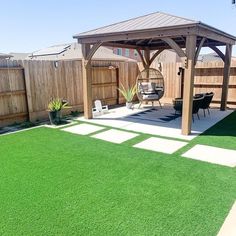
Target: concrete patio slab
229,226
115,136
156,121
161,145
220,156
83,129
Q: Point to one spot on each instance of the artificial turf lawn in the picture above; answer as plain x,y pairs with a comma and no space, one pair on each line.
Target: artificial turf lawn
58,183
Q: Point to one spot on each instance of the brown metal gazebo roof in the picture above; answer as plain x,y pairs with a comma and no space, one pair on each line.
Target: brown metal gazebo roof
155,26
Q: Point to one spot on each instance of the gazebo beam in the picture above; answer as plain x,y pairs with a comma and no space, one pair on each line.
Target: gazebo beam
188,85
155,55
142,58
226,76
142,34
206,44
201,31
215,35
177,48
147,57
120,45
154,46
140,41
92,51
199,49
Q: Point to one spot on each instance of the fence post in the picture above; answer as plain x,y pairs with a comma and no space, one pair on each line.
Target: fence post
28,90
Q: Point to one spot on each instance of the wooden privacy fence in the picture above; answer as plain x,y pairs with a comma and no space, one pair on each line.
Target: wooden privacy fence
208,78
13,101
26,87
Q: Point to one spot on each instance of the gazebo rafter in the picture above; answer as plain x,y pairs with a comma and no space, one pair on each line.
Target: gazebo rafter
218,52
199,49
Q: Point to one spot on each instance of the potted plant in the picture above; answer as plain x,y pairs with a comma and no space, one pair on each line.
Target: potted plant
128,94
55,107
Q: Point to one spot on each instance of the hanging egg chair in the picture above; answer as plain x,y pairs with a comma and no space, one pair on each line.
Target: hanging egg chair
150,86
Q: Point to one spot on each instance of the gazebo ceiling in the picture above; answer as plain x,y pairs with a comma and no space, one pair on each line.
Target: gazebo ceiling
149,30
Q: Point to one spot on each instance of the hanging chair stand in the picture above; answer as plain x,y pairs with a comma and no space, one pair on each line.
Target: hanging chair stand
150,86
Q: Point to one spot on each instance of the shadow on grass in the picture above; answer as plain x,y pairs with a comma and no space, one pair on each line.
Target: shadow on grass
226,127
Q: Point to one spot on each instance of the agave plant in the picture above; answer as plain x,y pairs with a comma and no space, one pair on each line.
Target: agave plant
128,93
57,105
54,107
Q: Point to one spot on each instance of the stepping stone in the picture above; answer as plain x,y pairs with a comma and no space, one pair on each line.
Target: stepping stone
220,156
115,136
83,129
229,226
161,145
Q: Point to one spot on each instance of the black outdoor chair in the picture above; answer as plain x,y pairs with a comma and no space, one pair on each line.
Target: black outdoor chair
178,105
197,101
206,102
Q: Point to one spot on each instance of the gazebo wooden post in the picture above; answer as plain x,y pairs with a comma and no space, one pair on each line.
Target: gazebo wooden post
226,76
142,58
188,84
87,81
147,57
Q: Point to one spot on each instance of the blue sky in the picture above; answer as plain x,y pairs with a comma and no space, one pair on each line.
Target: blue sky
29,25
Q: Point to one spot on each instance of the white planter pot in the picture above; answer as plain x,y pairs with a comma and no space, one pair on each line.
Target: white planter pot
129,105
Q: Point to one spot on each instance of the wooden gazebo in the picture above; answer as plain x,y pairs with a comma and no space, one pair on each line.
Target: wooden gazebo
157,32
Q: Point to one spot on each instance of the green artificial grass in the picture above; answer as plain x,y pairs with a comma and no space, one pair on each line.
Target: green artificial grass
58,183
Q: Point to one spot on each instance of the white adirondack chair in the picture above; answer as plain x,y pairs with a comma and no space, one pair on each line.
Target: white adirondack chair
99,109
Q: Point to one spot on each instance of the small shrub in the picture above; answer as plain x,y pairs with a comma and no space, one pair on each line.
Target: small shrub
27,124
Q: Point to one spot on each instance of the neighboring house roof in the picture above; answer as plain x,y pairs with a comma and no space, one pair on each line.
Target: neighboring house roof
5,56
73,51
157,20
53,50
210,57
18,56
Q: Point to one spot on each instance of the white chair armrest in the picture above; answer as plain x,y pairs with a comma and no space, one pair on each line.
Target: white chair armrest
105,107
